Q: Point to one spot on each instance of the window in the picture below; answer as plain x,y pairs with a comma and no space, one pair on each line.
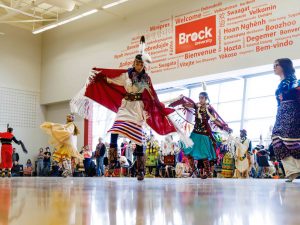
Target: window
261,107
165,97
258,127
102,122
230,111
236,126
231,91
262,86
228,98
212,90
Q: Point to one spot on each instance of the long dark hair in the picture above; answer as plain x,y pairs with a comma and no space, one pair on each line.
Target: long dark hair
287,66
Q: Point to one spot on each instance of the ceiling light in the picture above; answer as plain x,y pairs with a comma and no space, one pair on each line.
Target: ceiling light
59,23
113,4
44,29
77,17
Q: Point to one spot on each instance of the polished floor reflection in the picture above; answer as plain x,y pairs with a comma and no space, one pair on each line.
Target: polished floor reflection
125,201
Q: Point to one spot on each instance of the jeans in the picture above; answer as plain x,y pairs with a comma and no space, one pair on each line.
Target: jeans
158,167
87,163
40,166
259,173
100,166
253,172
46,169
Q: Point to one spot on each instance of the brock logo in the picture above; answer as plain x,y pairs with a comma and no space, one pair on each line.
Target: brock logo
194,35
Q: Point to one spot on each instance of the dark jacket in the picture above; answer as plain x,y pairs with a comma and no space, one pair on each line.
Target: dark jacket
15,157
100,150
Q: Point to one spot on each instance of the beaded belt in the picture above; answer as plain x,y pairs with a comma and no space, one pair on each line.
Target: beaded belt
133,97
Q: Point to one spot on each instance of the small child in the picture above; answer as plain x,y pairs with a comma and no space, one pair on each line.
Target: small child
28,168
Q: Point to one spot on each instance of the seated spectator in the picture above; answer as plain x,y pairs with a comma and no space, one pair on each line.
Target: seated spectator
91,171
160,165
17,170
183,168
79,170
125,165
56,170
123,161
28,168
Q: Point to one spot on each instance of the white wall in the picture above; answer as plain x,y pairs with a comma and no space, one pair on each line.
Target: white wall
20,59
20,69
71,51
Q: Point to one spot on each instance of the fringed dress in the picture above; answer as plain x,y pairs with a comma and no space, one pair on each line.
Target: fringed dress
130,117
128,94
286,131
63,137
202,137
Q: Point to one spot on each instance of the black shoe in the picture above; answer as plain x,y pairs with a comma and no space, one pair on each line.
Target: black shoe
140,176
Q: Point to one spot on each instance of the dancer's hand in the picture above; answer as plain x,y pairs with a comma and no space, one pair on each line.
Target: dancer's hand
96,75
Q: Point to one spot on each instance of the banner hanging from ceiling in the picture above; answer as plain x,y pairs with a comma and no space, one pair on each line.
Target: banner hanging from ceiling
217,32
